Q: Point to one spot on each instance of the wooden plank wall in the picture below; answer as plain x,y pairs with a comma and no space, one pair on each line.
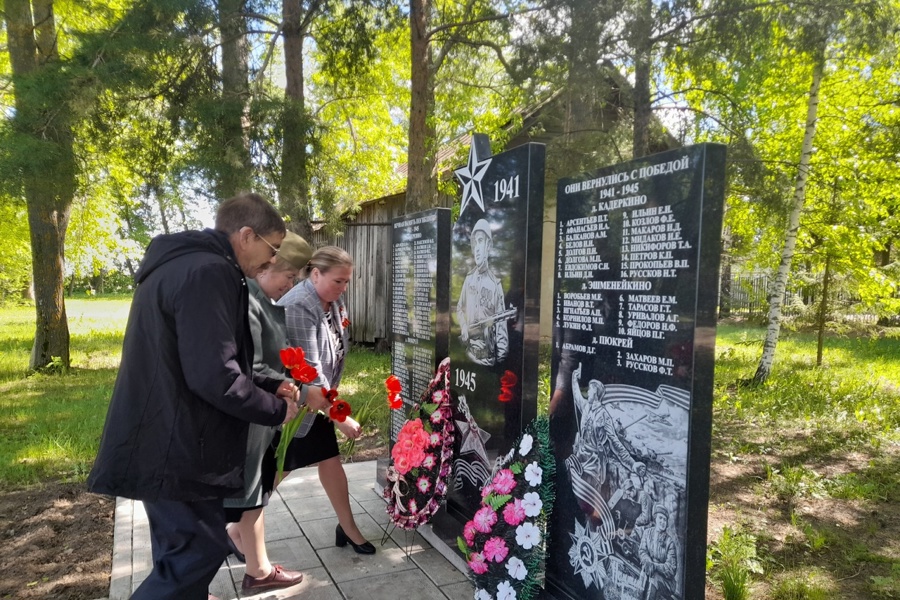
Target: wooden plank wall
367,236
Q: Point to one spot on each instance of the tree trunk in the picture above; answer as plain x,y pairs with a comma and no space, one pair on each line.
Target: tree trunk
725,276
421,186
293,188
236,176
642,57
50,184
823,311
790,238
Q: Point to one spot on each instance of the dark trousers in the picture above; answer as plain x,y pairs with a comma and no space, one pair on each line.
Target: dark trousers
188,544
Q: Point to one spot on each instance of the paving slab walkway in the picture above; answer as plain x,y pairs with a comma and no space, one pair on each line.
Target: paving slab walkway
300,527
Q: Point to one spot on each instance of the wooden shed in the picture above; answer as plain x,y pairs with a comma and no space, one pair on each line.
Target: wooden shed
366,236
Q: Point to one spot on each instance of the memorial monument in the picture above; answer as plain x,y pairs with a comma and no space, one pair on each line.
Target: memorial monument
494,313
419,303
637,258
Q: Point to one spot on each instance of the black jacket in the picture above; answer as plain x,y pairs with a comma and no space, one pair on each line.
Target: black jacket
178,418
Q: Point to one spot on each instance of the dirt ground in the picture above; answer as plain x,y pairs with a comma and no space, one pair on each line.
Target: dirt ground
56,543
57,538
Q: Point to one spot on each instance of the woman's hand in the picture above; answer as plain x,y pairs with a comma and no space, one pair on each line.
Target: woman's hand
349,428
315,398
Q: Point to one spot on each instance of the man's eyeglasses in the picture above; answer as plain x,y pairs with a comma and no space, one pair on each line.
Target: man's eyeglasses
274,249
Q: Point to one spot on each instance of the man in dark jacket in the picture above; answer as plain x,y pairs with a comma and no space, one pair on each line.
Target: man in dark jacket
176,430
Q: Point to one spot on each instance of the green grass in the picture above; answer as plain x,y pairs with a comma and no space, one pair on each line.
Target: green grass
50,424
362,385
827,442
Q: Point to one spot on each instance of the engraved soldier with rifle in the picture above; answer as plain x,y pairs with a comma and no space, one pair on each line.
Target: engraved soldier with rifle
481,309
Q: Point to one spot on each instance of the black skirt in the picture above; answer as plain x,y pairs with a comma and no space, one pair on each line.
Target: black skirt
233,514
317,445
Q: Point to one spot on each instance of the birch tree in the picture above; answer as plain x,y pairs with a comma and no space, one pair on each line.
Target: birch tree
759,71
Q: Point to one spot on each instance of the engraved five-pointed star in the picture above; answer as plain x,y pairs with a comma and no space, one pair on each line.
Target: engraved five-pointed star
473,437
470,176
586,555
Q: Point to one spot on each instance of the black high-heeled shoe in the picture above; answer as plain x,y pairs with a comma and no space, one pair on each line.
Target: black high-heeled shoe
237,553
341,540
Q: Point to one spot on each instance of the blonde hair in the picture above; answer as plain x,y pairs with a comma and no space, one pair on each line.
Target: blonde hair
329,257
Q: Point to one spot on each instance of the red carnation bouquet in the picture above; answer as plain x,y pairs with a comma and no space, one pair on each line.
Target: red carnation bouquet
294,360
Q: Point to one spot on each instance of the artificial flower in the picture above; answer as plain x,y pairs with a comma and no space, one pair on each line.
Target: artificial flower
513,512
516,568
532,504
482,595
505,591
477,563
402,463
526,444
519,495
527,535
469,532
533,474
484,519
504,481
495,549
422,454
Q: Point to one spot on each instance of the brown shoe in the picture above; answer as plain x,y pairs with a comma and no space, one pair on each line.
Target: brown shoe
278,578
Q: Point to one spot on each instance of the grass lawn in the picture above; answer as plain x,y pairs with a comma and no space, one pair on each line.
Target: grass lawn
805,474
50,424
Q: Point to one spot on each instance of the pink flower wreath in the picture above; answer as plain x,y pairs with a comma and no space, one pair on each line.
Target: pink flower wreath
422,457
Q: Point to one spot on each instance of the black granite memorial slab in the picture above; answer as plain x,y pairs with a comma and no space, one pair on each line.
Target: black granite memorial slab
495,311
420,301
637,258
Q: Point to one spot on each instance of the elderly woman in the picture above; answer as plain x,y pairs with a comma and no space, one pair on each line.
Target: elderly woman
317,321
247,535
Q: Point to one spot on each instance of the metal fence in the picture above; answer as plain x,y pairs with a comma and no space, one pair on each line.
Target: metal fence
748,296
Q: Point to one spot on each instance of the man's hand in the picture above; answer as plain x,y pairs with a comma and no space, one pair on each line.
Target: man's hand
287,391
291,412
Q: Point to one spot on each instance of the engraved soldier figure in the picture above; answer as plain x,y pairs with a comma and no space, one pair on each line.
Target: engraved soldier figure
481,309
597,439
